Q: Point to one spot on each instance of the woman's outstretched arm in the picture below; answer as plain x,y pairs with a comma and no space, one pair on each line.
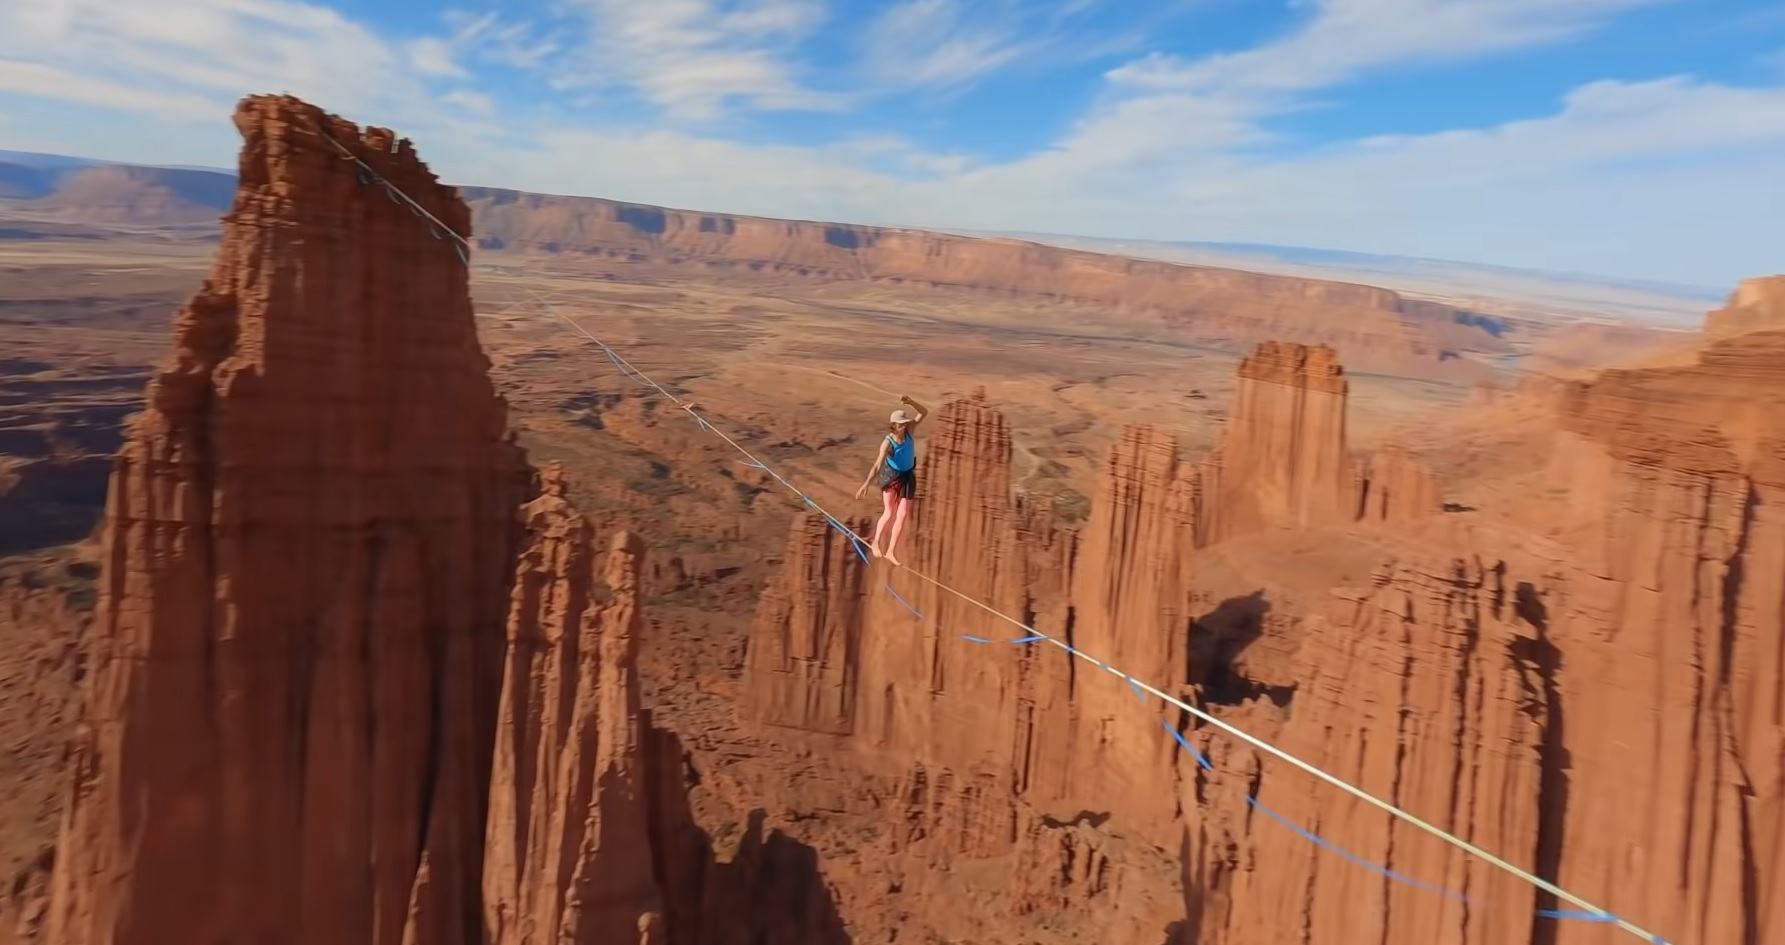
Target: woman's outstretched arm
874,470
922,411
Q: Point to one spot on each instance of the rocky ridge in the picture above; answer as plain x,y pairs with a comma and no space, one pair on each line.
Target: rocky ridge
1482,680
304,722
1165,300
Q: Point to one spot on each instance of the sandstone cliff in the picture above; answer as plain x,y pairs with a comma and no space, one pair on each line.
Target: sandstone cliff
1394,487
1756,304
1160,300
805,640
1507,695
1674,642
569,857
1495,682
1129,606
301,726
1000,750
1282,461
308,542
1430,689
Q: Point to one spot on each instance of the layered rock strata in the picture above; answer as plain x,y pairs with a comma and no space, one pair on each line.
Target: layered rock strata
1283,460
803,658
1496,683
308,542
569,858
1755,305
1673,645
1226,307
1393,487
1431,689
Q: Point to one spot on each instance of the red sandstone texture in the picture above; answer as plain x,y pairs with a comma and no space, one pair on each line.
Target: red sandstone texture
309,537
303,723
806,633
1392,486
297,730
1282,461
41,633
1498,684
568,857
1755,305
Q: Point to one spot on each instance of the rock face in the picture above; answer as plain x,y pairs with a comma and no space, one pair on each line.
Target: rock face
1393,487
1227,307
304,725
41,634
804,654
1000,750
309,538
1431,689
1282,461
1756,305
569,858
879,655
1504,694
1130,606
1497,683
1675,641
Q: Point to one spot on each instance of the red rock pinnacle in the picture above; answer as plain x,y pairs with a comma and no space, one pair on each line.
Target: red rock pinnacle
1282,461
309,537
1756,305
568,857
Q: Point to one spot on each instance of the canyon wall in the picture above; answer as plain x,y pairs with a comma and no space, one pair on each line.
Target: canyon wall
1161,300
303,722
1498,683
1430,689
1673,642
1755,305
569,856
1599,706
1393,487
805,639
1283,460
308,540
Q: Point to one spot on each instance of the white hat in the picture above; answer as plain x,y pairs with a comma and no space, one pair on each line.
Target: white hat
900,416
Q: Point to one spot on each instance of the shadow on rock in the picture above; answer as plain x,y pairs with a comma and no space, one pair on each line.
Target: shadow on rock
1217,639
770,891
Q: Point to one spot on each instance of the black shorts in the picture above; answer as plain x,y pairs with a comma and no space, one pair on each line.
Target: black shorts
905,482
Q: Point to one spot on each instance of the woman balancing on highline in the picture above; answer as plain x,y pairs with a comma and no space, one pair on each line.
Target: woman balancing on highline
895,470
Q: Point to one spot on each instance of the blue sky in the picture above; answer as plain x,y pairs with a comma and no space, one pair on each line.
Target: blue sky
1641,138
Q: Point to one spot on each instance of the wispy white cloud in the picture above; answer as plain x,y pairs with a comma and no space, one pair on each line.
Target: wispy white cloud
475,102
1347,38
693,58
941,42
44,81
951,43
433,56
489,38
177,56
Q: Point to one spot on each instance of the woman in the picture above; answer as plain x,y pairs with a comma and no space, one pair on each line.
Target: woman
895,469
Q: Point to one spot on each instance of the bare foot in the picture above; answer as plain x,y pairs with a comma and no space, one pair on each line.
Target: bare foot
895,561
876,550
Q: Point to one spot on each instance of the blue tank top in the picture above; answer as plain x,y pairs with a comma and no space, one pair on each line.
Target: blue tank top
902,456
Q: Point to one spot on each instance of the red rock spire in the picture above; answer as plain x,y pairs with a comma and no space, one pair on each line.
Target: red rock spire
309,537
568,856
1282,461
